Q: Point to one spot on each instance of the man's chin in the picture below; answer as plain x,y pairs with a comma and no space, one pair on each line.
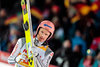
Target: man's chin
41,40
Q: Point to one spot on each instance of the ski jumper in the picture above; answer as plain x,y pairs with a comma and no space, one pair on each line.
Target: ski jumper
42,59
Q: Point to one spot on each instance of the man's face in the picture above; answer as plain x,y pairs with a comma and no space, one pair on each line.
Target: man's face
43,34
89,57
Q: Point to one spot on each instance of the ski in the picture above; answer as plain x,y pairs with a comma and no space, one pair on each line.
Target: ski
27,24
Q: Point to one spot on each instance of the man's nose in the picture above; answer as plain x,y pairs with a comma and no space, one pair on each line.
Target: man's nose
42,35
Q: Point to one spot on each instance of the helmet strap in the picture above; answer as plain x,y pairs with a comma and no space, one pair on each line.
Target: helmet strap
37,42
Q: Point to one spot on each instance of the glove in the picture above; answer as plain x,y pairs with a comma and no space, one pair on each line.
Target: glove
34,51
20,57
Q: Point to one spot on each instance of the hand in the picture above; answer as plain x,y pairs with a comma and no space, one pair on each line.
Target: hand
20,57
34,51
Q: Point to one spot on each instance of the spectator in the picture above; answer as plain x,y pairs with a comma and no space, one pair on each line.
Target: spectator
59,33
13,36
98,58
77,55
77,40
63,56
89,60
4,30
95,44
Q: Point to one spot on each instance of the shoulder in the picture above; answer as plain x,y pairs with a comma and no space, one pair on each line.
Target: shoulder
48,49
21,41
49,52
95,62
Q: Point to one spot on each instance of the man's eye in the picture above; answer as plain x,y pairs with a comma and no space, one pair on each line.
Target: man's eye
46,34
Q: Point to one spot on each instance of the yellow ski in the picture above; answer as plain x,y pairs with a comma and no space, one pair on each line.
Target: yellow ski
27,24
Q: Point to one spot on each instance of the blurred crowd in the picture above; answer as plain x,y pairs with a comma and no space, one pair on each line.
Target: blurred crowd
76,42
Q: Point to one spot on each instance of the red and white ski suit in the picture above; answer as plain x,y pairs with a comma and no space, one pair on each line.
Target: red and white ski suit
20,53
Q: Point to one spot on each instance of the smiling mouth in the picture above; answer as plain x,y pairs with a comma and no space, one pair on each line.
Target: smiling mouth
41,38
